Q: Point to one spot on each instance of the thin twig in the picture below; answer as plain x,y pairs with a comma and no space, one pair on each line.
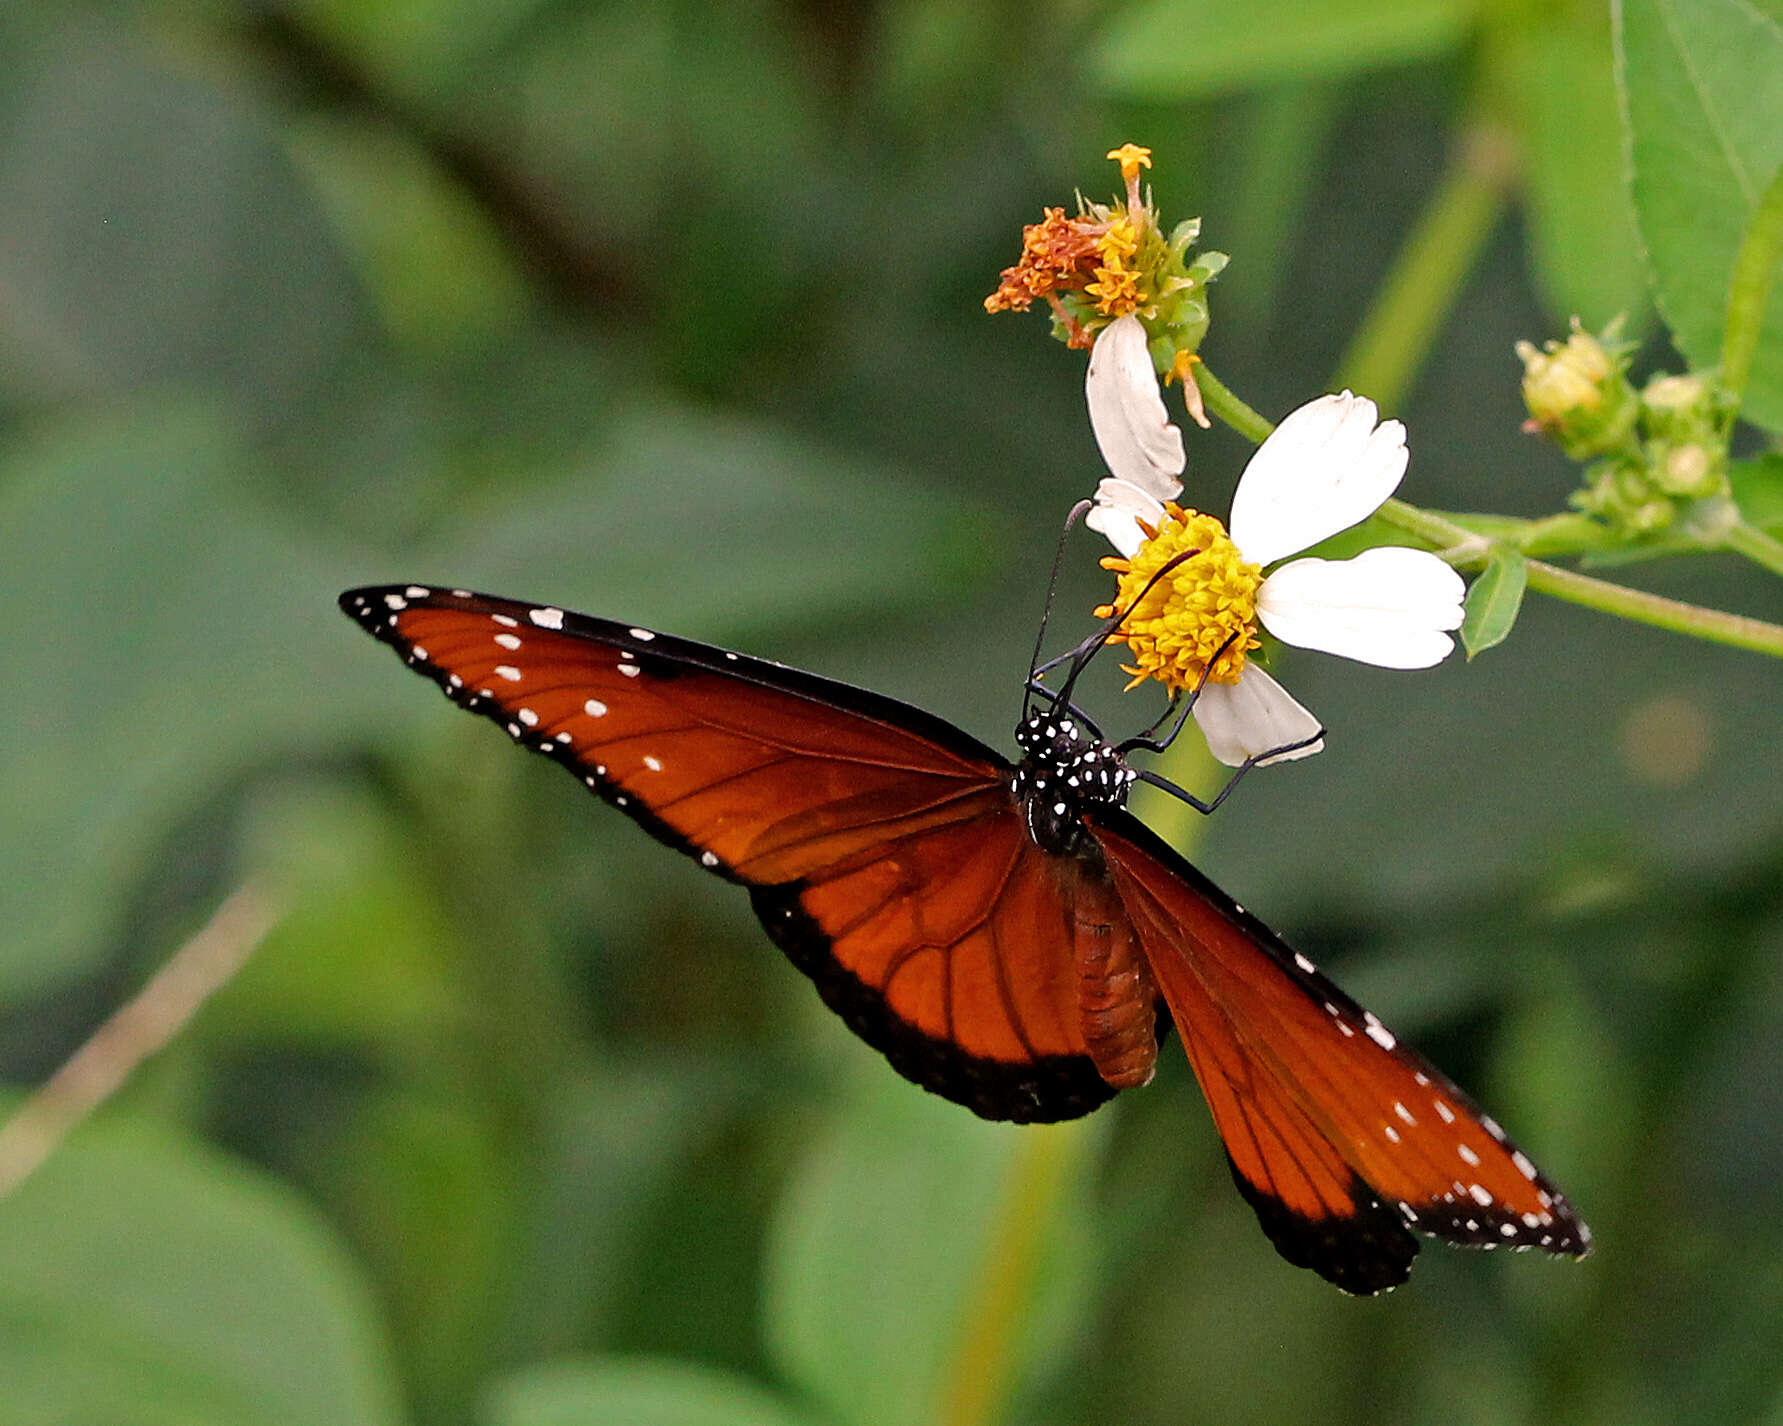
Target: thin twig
137,1030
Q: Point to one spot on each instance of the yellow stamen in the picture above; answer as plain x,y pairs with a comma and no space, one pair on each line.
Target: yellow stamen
1181,370
1182,621
1131,158
1116,288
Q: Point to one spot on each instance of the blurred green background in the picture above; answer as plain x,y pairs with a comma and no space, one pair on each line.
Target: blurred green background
671,312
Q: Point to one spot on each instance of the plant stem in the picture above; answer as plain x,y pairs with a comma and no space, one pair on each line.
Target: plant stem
1467,549
1222,402
144,1025
1042,1166
1735,630
1755,545
1427,275
1749,287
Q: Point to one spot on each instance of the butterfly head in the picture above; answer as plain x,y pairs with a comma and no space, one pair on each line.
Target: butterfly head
1066,770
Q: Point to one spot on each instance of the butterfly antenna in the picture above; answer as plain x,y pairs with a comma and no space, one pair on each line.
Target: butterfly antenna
1052,586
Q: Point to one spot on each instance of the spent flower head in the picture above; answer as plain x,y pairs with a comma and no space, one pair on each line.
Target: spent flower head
1113,260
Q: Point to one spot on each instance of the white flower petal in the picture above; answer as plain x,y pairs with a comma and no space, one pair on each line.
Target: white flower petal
1119,508
1326,467
1240,720
1136,438
1387,606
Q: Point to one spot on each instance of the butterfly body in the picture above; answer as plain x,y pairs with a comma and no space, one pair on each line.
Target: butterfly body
1006,934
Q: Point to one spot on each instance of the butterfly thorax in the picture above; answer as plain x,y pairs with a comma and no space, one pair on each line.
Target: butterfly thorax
1065,772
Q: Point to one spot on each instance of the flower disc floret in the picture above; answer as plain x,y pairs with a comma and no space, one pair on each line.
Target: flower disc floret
1201,613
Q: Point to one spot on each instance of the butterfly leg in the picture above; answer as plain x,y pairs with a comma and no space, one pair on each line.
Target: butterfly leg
1206,808
1157,745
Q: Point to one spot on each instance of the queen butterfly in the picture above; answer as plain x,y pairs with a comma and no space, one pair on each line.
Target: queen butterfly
1006,935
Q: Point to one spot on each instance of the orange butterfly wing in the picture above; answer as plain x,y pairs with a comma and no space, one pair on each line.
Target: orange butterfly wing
1343,1139
883,848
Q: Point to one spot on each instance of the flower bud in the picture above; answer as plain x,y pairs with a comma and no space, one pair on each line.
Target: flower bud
1576,392
1691,471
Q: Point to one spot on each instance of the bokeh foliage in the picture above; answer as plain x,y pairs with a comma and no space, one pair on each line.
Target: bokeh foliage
671,312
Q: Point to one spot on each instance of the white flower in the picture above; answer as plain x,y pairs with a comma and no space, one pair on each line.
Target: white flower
1328,466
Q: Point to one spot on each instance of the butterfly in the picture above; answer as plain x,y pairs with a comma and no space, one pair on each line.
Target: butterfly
1007,935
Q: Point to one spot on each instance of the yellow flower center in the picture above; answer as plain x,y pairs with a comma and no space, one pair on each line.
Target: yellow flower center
1116,288
1180,624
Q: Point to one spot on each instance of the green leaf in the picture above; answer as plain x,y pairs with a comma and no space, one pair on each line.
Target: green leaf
149,1283
1702,92
635,1392
720,528
1587,256
175,630
1758,489
153,230
890,1244
1493,601
1178,49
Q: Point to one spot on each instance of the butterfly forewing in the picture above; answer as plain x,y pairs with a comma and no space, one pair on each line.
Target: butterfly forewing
1335,1129
885,851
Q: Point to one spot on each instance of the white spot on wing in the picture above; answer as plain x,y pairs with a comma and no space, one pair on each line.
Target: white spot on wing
1303,963
508,671
546,618
528,717
508,641
630,670
1379,1033
594,708
1480,1196
707,859
643,635
654,764
1467,1155
505,621
416,591
1524,1167
396,601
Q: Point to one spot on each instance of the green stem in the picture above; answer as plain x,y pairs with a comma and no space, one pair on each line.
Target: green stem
1467,549
1734,630
1044,1162
1427,275
1220,401
1755,545
1748,289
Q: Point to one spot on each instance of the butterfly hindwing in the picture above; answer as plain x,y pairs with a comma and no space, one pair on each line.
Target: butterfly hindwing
1344,1140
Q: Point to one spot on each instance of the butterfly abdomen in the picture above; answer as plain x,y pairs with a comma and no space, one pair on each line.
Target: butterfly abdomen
1116,998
